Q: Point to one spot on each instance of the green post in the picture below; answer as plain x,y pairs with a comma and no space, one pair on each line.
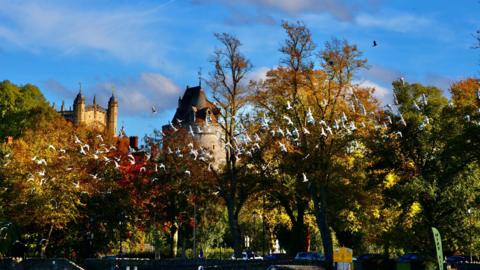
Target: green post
438,247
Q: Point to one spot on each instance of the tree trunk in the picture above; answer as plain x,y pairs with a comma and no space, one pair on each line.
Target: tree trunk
174,237
320,205
43,249
234,229
299,234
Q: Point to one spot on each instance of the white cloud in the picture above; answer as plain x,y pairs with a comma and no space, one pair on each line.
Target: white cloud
58,89
339,9
399,23
381,73
118,32
441,81
257,74
381,93
136,96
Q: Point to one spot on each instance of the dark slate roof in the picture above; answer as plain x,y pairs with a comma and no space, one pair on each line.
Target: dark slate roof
193,97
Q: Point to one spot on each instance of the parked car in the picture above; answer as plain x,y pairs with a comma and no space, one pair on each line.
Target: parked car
247,255
309,256
277,256
409,257
456,259
374,261
295,267
411,261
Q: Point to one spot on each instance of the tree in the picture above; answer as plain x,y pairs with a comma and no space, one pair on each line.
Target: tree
282,85
229,92
431,160
43,183
325,118
21,107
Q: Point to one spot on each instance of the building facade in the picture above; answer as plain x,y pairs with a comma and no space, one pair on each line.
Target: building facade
94,116
196,114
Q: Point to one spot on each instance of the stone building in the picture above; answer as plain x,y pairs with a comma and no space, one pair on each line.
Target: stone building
196,113
95,116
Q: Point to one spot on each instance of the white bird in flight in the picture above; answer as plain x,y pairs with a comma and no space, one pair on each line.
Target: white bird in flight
173,127
190,130
162,166
424,100
322,132
283,148
77,140
310,119
289,120
415,106
42,162
289,106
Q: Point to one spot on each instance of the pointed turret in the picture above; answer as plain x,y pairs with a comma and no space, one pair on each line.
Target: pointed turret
112,100
79,107
62,108
112,113
79,98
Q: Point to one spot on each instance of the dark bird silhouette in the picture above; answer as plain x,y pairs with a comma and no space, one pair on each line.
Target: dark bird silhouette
374,43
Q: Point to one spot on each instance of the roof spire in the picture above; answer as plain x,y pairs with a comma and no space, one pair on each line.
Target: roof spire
113,99
200,76
80,87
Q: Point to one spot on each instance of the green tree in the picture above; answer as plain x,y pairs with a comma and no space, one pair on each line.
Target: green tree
430,153
21,107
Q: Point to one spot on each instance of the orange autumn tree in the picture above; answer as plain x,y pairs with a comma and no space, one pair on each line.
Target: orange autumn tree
319,120
465,92
45,179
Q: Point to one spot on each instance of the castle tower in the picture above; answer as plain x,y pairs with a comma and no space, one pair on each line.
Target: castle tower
197,113
79,108
112,113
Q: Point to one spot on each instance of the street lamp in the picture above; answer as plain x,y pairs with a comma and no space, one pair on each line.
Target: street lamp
263,226
469,211
194,229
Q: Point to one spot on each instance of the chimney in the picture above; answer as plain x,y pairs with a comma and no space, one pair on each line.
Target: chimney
122,144
134,142
9,140
154,150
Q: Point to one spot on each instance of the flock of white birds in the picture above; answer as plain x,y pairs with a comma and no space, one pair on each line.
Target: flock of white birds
243,144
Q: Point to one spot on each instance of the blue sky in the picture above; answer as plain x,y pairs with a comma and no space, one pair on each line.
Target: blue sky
148,51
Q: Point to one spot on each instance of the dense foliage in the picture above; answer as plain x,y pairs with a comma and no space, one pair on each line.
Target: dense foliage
313,161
